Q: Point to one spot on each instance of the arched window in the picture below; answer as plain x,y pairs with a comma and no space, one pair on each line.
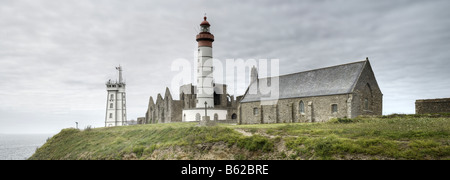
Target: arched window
301,107
197,117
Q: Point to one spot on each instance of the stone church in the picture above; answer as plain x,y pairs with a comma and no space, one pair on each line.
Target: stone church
347,90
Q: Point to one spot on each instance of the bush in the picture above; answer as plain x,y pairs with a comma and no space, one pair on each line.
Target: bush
138,150
150,149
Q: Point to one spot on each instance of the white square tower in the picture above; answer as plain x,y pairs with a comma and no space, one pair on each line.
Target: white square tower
116,102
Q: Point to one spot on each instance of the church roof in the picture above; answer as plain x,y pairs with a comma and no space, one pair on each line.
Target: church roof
319,82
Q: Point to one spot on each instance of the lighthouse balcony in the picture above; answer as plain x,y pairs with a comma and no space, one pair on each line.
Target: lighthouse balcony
205,36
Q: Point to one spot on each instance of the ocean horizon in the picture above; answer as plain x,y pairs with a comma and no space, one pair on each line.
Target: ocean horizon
20,146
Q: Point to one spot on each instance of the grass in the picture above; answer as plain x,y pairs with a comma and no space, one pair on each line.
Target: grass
384,137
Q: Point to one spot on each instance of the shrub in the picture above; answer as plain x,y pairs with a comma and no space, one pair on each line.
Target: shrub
150,149
138,150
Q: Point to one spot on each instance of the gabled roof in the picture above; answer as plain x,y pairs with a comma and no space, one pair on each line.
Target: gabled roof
319,82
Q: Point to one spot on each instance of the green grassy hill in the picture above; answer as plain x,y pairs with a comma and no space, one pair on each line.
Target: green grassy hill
386,137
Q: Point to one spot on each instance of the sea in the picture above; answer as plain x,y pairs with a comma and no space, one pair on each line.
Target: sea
20,146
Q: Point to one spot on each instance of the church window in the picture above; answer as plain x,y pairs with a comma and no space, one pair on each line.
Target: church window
255,111
334,108
111,105
301,107
366,104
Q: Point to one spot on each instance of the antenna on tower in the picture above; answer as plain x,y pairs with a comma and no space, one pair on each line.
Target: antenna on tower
120,73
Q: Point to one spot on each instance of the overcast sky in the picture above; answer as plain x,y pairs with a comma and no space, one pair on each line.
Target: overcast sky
55,56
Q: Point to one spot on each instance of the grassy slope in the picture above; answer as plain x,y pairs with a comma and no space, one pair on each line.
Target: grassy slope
396,137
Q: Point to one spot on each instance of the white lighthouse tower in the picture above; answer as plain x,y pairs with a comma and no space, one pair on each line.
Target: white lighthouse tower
205,79
116,102
204,109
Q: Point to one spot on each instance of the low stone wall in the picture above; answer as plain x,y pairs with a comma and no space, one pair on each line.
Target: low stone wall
429,106
228,121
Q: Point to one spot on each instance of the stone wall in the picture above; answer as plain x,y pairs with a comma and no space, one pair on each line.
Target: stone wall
429,106
316,109
366,88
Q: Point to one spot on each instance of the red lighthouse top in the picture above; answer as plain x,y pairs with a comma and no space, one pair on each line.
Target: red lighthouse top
205,23
205,38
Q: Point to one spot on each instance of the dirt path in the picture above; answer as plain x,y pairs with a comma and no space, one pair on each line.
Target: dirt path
245,133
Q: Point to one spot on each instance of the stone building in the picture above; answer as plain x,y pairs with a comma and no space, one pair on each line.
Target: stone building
430,106
141,120
166,109
347,90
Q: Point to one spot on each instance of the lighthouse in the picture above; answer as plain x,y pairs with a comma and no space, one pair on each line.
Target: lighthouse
204,108
205,79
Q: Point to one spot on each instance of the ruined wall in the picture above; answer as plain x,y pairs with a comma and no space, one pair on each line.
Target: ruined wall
188,95
167,110
429,106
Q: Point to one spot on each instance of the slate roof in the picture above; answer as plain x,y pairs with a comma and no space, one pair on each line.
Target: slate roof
319,82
